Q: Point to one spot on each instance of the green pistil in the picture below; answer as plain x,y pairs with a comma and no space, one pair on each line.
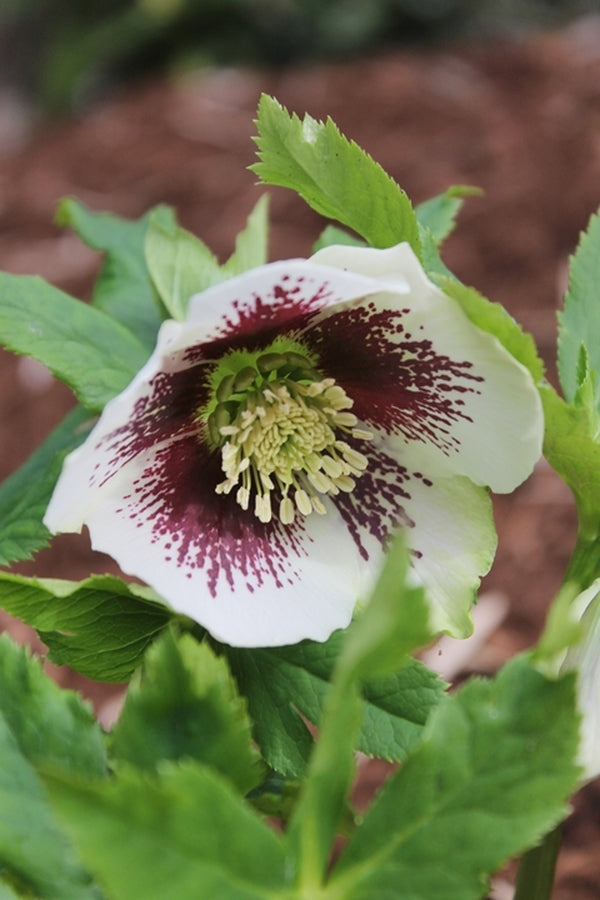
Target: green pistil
280,428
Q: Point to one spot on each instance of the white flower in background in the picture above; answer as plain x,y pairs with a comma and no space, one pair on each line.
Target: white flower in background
255,468
584,658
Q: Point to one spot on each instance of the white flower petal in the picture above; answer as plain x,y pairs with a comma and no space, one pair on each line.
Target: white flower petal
273,295
476,411
145,480
263,589
449,530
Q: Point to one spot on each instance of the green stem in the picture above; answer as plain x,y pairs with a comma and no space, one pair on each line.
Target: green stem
535,877
584,565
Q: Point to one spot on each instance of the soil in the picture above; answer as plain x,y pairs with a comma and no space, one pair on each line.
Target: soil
519,119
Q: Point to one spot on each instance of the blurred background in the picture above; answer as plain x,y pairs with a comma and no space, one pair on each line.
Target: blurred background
60,54
129,104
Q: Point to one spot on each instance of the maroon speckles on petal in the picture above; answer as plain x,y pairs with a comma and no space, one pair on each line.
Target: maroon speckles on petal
287,306
198,530
377,505
166,412
398,382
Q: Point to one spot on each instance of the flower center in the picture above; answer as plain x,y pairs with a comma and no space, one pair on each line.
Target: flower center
281,429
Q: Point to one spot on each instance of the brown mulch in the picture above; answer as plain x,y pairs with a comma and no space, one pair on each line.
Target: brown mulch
521,120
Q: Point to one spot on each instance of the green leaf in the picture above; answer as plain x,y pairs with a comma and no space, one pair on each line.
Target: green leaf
251,243
183,834
494,319
493,774
123,290
33,851
430,257
396,708
100,627
333,175
331,234
25,495
579,322
180,265
571,448
6,893
52,727
82,346
438,214
395,622
40,724
184,704
279,682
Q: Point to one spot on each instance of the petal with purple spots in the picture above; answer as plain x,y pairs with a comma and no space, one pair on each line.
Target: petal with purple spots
414,409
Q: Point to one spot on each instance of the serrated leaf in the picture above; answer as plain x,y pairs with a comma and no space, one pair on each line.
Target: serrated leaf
579,321
82,346
123,289
333,175
494,319
180,265
25,495
395,622
279,682
571,448
438,214
100,627
183,834
184,704
493,773
32,848
43,726
251,243
52,727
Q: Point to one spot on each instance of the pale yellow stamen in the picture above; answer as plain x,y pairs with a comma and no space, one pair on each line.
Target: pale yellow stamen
284,439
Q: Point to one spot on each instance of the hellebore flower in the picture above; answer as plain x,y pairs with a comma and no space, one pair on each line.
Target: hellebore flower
254,469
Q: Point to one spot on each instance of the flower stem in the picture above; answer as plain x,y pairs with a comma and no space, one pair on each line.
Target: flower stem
535,877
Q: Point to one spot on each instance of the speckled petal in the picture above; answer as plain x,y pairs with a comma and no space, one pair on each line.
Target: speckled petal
449,530
424,375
